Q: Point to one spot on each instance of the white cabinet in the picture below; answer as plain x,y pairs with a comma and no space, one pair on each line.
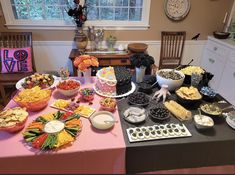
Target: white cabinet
214,65
219,59
227,83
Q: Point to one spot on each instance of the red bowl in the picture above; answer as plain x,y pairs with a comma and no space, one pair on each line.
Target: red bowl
17,127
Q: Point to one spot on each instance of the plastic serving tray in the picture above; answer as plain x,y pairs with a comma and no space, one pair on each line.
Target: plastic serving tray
156,132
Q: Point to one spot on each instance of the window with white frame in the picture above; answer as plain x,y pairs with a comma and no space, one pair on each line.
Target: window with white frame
46,14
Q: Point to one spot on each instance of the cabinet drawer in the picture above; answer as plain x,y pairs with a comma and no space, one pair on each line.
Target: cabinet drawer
120,62
104,62
217,48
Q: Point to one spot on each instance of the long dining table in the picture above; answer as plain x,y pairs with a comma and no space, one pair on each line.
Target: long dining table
109,151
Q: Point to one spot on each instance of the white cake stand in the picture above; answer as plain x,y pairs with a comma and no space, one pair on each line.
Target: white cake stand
133,87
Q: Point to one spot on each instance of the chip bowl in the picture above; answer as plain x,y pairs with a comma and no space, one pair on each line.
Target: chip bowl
17,127
33,106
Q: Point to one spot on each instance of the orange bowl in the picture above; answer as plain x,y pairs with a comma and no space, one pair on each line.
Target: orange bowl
17,127
34,106
7,114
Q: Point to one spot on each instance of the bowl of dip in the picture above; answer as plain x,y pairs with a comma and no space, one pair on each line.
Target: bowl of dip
102,120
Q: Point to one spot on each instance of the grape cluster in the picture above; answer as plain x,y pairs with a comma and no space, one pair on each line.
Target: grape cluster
138,98
159,113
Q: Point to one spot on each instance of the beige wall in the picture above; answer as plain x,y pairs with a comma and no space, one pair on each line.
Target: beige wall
204,17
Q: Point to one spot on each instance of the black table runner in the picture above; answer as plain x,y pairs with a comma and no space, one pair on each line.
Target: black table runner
208,148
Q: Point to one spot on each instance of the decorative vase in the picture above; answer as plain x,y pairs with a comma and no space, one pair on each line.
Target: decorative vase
87,76
140,72
80,39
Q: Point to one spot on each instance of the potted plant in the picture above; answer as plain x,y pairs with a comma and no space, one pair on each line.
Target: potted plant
141,61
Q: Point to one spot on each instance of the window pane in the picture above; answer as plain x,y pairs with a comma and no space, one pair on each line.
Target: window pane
36,12
135,14
51,2
136,3
106,13
92,2
121,14
53,12
22,12
121,3
106,2
93,13
22,2
33,2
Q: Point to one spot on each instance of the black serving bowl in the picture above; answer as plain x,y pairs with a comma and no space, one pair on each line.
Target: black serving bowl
187,79
208,94
214,116
158,118
145,87
188,103
221,35
139,99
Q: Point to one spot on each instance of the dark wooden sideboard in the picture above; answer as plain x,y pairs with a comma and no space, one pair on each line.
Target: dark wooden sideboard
105,59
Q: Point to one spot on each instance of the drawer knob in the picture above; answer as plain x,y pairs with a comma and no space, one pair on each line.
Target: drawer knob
211,60
215,48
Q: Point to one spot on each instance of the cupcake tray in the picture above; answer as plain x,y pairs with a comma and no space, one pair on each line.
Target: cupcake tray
156,132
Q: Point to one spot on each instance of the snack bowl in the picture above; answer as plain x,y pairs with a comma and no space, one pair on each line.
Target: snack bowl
187,79
203,122
19,125
145,88
208,93
211,110
102,120
108,104
134,114
68,87
188,102
171,83
87,94
35,105
159,114
138,99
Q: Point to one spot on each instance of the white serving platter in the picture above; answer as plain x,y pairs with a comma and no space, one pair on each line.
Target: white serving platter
160,135
21,81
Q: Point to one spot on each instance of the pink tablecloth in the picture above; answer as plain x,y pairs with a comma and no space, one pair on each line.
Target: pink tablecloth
94,151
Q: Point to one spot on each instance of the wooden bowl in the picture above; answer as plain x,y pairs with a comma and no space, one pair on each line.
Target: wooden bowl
137,47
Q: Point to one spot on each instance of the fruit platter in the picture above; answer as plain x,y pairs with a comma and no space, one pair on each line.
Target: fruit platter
53,130
44,81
